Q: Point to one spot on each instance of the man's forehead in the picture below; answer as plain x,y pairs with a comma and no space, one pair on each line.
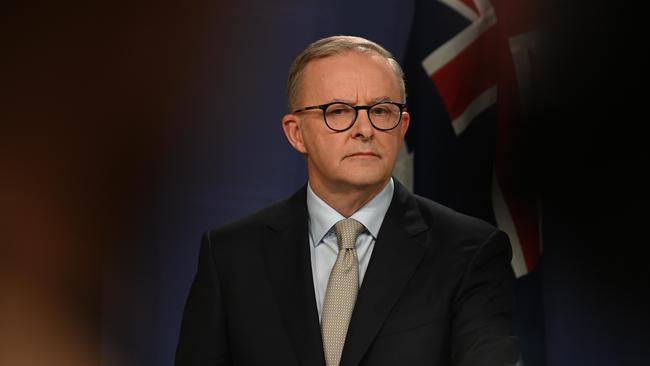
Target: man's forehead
348,66
353,77
351,69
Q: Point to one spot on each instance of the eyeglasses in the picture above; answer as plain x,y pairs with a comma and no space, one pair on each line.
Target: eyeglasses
340,116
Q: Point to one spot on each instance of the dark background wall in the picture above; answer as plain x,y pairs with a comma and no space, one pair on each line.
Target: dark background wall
129,128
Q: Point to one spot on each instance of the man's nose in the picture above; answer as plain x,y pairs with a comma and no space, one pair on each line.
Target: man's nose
362,127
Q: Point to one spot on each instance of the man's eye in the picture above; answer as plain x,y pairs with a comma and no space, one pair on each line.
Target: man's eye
379,111
339,111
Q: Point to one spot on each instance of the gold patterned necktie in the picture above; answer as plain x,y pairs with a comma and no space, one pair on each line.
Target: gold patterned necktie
341,293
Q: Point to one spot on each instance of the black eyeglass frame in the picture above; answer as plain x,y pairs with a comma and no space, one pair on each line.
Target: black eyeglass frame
323,107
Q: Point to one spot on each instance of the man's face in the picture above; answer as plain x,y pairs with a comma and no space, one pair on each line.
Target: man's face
361,157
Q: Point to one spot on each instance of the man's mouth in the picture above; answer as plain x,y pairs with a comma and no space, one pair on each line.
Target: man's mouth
363,154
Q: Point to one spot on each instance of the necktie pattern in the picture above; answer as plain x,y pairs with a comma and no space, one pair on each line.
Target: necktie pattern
341,292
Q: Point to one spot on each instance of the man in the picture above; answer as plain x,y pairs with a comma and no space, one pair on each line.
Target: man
353,269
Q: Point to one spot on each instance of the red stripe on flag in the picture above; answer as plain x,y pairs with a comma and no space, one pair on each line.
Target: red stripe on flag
470,4
468,75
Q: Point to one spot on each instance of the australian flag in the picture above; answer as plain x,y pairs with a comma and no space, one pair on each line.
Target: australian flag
472,69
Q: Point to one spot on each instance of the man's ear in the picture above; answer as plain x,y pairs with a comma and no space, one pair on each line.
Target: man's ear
293,131
404,125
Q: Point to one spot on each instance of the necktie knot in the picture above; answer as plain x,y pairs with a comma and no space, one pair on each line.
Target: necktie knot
347,231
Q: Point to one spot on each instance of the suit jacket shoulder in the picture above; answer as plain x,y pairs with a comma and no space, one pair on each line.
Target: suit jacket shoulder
443,230
454,220
256,227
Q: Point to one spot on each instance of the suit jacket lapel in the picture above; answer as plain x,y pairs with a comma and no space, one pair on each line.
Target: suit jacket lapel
288,265
398,251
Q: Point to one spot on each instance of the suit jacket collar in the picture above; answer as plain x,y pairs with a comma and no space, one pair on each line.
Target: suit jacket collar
398,251
288,265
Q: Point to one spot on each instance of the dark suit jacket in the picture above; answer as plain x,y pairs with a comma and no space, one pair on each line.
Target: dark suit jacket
437,291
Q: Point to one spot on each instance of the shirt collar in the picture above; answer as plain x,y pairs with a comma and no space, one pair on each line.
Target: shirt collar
322,217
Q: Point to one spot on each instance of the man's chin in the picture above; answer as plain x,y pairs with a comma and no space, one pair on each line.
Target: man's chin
367,181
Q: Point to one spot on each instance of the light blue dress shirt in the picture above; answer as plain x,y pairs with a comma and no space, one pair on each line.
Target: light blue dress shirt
322,238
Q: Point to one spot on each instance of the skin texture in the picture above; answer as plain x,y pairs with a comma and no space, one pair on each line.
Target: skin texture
346,169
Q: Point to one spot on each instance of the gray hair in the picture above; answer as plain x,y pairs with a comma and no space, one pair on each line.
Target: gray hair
331,46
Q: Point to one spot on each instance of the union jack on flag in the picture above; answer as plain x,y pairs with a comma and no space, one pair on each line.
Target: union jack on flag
479,56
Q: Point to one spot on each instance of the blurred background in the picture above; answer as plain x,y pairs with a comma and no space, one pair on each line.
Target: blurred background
128,128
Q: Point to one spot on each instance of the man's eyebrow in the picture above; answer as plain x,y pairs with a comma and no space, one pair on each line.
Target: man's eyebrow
382,99
376,100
